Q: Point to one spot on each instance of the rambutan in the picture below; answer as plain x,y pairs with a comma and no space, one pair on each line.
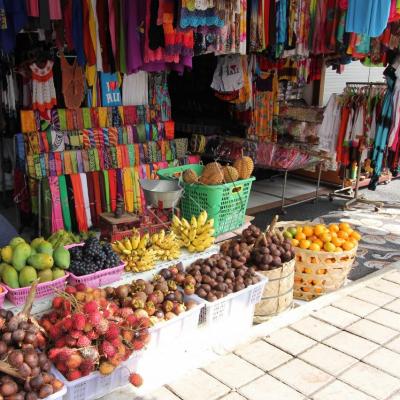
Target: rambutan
132,320
62,367
78,321
74,361
90,353
70,290
135,379
55,332
73,375
85,372
144,322
106,314
107,349
76,334
60,342
67,305
115,342
92,335
102,326
116,360
64,354
91,307
46,324
80,287
138,345
94,318
106,368
88,327
83,341
87,365
57,302
126,312
67,324
53,353
53,317
70,341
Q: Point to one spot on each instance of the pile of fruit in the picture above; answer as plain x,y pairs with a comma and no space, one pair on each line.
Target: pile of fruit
141,252
160,299
24,367
216,277
90,333
215,174
64,238
197,235
334,238
92,257
24,263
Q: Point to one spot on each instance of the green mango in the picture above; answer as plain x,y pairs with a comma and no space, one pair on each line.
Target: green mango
45,248
58,273
35,242
27,276
6,254
10,276
61,257
33,251
2,266
45,275
20,254
41,261
16,241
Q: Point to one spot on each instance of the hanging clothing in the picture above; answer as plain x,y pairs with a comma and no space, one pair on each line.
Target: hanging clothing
368,17
73,87
135,89
43,91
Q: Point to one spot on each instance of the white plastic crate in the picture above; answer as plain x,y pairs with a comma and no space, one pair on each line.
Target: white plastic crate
97,385
57,395
176,329
232,307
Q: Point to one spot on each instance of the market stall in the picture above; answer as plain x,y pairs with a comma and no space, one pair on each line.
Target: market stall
125,119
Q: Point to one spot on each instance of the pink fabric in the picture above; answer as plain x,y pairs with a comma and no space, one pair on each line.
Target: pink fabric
57,221
55,9
32,8
111,21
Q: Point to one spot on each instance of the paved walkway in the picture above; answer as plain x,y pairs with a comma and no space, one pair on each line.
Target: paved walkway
347,350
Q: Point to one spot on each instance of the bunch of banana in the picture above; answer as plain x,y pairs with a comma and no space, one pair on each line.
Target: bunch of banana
135,252
166,245
197,235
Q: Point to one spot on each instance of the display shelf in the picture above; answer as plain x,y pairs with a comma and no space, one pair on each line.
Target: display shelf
42,305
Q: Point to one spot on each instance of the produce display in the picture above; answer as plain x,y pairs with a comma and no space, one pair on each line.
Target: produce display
24,367
92,257
197,235
159,299
89,333
333,238
215,174
24,263
63,238
215,277
250,234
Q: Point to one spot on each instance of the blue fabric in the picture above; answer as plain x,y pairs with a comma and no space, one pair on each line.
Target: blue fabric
7,231
77,31
16,19
368,17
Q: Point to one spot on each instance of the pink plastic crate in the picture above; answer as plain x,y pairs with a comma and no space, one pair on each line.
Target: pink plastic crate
3,295
99,278
18,296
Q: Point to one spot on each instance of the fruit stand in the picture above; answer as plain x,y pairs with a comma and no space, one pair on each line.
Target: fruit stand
107,313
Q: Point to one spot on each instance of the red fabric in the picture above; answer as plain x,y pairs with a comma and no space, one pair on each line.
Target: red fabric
79,202
87,40
112,179
342,133
267,7
393,16
21,192
97,192
343,4
67,19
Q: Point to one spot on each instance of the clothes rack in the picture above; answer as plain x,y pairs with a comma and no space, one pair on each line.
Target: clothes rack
352,195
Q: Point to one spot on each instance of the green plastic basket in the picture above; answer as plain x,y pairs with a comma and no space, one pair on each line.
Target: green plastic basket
225,203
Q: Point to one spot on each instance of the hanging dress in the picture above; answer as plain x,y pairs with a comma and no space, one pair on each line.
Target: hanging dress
72,83
43,91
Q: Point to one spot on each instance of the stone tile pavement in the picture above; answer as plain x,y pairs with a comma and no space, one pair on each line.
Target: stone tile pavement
349,349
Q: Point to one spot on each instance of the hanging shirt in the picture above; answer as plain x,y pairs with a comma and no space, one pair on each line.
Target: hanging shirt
368,17
135,89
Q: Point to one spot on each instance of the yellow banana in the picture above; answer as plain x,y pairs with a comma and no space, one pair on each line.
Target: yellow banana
193,222
192,234
201,219
127,244
185,224
120,246
161,235
176,221
115,248
143,241
135,241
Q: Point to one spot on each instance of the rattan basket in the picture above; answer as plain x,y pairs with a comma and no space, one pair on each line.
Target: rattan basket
318,272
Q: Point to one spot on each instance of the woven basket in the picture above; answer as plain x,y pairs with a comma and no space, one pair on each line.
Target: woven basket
278,292
320,272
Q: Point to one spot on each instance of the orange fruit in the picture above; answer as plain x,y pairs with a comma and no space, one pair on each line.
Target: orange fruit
333,234
337,241
299,229
352,240
319,242
295,242
326,237
344,226
315,247
300,236
355,235
343,235
308,230
319,229
348,246
313,238
334,228
329,247
305,244
338,250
